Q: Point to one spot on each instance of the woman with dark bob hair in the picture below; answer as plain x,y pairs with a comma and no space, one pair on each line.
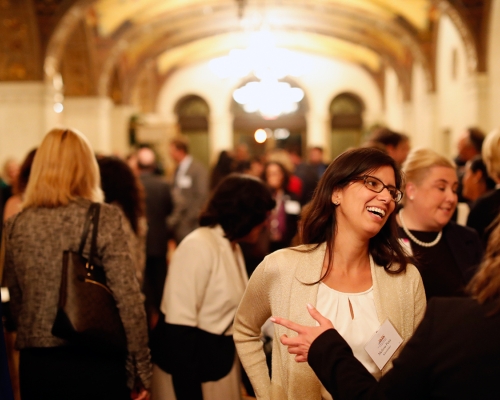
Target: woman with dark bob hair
350,266
205,282
122,188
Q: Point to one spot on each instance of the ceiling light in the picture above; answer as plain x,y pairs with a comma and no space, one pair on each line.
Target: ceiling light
269,97
260,135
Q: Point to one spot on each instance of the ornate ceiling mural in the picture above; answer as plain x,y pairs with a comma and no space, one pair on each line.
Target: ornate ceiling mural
119,41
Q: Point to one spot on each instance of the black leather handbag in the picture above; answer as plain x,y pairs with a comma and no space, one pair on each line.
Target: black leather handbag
87,314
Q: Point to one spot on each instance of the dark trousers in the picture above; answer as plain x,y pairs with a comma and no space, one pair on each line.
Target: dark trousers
154,280
63,373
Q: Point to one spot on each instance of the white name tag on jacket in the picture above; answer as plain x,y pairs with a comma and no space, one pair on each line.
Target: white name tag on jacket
185,182
383,344
292,207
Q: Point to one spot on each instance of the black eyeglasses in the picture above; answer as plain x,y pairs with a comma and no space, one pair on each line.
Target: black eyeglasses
376,185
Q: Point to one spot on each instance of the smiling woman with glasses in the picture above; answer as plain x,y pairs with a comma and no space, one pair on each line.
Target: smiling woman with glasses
351,267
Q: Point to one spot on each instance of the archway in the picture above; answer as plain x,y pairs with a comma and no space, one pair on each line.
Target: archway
192,117
346,117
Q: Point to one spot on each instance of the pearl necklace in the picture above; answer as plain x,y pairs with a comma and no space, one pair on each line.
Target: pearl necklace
412,237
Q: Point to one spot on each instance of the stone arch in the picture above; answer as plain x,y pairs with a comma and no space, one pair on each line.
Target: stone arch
193,113
346,121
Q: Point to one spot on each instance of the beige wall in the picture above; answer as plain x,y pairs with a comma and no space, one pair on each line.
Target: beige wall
494,65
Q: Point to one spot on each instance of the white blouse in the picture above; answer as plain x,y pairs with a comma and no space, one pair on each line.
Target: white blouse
356,331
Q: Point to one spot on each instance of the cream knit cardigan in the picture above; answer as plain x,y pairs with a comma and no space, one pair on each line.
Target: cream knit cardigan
277,288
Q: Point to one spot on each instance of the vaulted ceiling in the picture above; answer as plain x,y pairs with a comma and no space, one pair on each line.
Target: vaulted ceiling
112,47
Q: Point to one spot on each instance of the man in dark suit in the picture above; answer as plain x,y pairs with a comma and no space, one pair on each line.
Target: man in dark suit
486,209
316,160
190,190
159,206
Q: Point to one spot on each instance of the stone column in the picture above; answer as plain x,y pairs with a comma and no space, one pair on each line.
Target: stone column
120,120
220,134
91,116
22,117
479,92
318,129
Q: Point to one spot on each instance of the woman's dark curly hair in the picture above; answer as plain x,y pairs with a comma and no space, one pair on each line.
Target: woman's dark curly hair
122,187
238,204
319,222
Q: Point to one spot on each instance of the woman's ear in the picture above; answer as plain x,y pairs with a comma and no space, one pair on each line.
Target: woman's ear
337,197
477,176
410,190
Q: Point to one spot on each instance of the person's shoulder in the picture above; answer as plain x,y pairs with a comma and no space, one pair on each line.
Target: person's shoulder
459,308
290,258
202,242
203,236
461,230
110,209
412,271
492,197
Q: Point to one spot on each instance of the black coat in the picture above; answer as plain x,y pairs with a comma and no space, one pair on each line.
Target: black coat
159,206
454,354
483,212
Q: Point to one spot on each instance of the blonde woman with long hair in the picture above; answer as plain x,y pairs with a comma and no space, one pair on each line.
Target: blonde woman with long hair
64,182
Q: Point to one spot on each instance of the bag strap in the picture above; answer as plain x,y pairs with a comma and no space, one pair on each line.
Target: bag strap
93,242
92,216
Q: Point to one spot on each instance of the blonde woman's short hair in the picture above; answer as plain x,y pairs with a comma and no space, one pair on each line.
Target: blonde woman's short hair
491,154
419,162
64,169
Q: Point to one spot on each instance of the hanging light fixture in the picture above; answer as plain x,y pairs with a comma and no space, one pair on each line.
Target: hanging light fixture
262,58
269,97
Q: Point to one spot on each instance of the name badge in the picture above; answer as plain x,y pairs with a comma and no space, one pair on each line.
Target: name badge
185,182
405,244
383,344
292,207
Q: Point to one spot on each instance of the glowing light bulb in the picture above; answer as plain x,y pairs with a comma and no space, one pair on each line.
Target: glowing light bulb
260,135
58,108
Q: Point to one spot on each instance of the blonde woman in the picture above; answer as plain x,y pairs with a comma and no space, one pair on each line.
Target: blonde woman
351,267
445,253
64,182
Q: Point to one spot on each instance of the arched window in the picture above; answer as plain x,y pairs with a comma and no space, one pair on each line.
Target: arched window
192,116
346,116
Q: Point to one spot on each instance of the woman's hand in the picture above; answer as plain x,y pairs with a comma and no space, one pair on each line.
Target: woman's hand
142,394
299,345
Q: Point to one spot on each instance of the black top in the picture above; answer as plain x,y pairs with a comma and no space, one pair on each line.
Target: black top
483,212
454,354
440,273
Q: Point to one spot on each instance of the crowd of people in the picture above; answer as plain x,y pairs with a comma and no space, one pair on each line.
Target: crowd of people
265,274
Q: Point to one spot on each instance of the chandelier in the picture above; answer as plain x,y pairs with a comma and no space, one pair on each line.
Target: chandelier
268,96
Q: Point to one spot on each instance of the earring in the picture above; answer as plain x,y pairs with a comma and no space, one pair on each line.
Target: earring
336,202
